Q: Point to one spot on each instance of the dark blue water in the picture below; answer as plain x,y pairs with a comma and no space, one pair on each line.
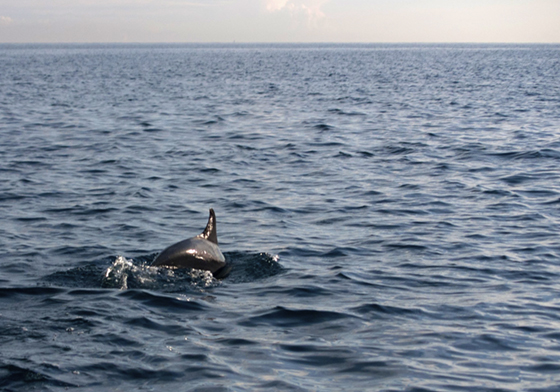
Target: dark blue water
391,212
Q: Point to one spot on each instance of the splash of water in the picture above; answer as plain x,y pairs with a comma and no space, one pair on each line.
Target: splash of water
125,274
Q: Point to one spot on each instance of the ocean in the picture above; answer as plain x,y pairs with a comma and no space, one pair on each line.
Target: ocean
391,213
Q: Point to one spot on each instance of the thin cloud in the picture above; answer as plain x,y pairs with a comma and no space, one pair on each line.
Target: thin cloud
312,9
5,20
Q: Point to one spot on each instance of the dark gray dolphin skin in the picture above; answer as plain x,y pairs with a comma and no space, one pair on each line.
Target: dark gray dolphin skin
200,252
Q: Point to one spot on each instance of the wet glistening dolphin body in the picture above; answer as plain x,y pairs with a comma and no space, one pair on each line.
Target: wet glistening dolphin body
200,252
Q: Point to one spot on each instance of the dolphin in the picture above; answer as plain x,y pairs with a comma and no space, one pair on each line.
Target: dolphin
200,252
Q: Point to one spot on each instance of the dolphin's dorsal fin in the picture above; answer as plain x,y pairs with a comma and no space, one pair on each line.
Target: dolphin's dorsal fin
210,232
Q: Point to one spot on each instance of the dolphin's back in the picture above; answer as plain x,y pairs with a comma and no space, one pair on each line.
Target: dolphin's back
200,252
195,252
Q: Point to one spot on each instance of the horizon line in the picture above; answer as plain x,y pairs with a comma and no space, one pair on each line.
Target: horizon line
282,43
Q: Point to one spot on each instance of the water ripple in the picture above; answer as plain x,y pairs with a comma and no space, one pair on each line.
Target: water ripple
389,212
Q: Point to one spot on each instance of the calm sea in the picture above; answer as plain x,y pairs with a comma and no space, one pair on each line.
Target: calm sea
391,212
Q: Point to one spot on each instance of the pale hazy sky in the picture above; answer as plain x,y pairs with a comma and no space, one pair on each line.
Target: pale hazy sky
280,21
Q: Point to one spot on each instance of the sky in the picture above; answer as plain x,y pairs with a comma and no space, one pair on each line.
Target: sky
511,21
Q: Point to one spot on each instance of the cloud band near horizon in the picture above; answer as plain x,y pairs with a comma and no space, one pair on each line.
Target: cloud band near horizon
280,21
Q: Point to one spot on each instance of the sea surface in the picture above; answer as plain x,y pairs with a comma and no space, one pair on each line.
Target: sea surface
391,214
